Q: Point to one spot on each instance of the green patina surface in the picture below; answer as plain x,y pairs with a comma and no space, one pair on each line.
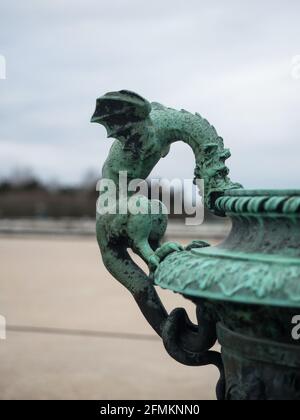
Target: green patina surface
259,262
144,133
246,289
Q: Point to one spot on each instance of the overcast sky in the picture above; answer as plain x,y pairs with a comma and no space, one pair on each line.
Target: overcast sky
229,60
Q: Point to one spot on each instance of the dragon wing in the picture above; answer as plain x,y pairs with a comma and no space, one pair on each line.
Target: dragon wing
117,111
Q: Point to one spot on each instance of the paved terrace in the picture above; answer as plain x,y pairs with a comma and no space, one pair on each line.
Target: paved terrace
73,332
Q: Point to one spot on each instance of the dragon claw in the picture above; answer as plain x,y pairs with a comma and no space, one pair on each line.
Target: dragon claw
162,252
196,244
153,262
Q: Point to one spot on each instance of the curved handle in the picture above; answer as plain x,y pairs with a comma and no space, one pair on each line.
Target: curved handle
144,133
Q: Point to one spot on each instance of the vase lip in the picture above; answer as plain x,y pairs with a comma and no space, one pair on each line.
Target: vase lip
262,193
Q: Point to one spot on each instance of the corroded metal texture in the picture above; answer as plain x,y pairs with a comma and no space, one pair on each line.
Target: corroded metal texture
246,290
144,133
258,369
258,263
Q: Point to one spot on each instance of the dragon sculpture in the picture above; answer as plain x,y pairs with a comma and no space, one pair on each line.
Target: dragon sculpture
144,133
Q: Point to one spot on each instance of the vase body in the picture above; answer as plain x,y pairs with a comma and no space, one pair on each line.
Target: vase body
250,287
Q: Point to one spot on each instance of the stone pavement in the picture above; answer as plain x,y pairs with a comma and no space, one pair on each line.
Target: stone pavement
75,333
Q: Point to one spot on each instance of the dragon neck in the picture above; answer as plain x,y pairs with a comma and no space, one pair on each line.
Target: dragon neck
208,147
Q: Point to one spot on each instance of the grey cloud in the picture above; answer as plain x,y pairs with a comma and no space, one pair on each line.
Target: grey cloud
230,61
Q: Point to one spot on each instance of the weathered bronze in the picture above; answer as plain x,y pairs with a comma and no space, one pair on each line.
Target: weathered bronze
246,290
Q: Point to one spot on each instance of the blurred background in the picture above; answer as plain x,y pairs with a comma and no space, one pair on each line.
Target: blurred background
72,332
